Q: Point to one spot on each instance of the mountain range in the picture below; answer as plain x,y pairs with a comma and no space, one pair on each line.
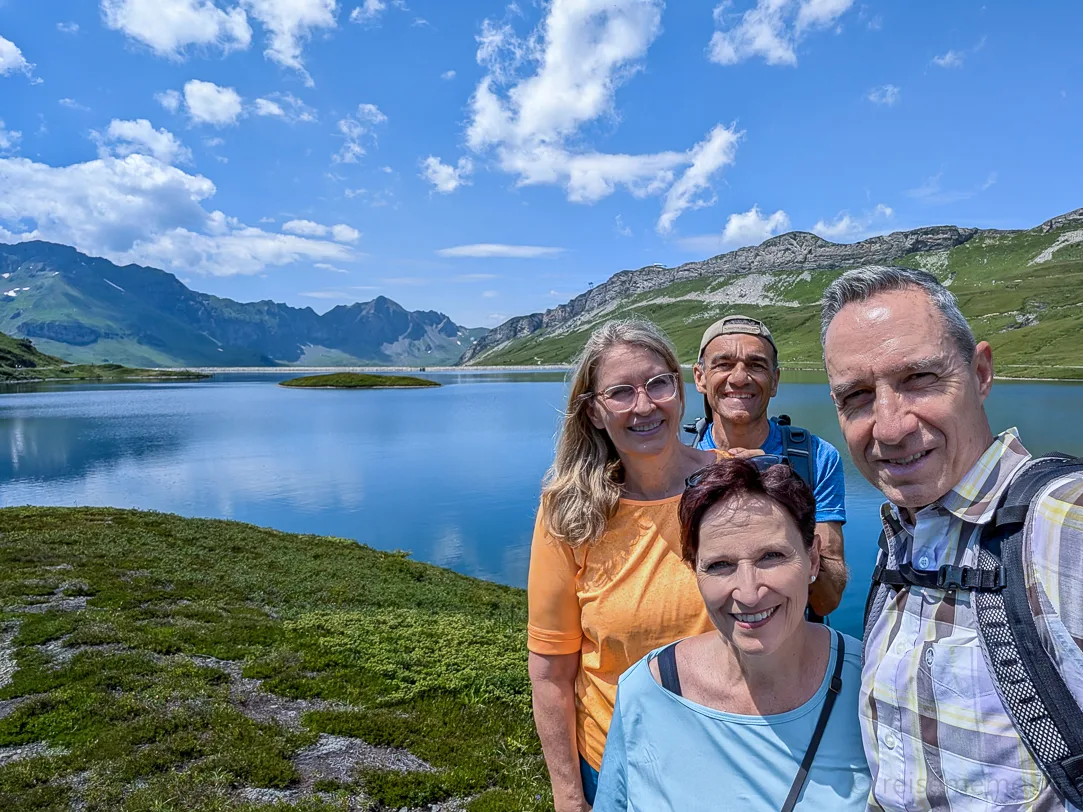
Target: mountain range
1021,290
88,310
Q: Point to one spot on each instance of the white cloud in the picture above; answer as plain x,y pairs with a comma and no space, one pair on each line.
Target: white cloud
369,12
490,294
208,103
169,99
540,91
12,59
68,28
446,179
354,129
622,229
772,29
289,24
846,227
708,156
489,250
285,106
9,139
886,95
168,27
931,191
137,209
308,228
952,59
325,266
266,107
72,104
447,75
344,233
130,137
752,227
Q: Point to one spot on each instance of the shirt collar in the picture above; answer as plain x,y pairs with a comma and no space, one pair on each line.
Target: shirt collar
974,499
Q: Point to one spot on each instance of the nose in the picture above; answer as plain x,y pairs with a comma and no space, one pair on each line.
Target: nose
739,374
893,420
746,591
644,405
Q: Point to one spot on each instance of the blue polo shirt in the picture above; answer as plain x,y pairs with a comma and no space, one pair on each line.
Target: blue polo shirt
828,485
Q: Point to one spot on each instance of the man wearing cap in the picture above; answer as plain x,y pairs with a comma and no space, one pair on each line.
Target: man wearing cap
738,374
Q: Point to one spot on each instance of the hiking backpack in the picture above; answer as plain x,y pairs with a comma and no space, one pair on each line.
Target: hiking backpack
1040,705
796,444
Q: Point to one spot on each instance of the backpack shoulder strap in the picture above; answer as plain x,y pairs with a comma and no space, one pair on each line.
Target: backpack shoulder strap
797,446
1043,710
667,669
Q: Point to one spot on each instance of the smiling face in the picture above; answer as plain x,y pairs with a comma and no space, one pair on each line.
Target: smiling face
753,572
648,427
739,376
909,405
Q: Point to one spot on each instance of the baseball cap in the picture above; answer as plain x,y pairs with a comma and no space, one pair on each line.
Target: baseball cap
736,324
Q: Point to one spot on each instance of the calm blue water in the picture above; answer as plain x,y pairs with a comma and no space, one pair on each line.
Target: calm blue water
451,474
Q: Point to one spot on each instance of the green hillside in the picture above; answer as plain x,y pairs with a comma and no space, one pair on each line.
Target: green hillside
1029,311
20,353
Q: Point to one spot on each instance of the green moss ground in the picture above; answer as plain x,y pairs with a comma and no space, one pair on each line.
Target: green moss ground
358,380
113,691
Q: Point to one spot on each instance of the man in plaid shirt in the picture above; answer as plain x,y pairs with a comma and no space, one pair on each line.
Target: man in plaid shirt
909,382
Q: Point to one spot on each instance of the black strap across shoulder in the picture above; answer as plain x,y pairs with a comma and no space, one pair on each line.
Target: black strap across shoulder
1042,708
797,447
667,669
834,688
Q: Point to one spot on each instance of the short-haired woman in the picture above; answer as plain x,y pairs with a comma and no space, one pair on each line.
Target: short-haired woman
607,584
760,713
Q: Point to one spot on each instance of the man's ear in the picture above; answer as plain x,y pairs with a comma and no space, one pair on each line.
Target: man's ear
775,380
700,377
983,368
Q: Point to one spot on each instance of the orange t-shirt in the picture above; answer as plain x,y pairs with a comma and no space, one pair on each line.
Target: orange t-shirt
613,601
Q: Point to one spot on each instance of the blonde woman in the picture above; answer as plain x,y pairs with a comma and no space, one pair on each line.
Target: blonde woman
607,584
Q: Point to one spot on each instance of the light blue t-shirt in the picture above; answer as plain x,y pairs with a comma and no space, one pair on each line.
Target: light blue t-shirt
829,487
667,753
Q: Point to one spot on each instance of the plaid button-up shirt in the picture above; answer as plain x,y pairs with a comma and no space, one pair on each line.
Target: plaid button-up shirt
936,733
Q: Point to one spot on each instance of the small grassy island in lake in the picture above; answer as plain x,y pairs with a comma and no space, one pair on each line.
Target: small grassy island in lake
150,662
358,380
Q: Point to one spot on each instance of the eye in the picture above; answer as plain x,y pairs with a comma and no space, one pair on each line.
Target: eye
856,398
772,555
920,378
718,566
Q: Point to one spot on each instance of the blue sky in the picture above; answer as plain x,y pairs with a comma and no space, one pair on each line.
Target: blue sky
490,160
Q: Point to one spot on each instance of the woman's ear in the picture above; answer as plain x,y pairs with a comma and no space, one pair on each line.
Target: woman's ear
814,557
592,413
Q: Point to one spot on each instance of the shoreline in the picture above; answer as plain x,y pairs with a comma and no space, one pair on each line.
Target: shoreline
422,370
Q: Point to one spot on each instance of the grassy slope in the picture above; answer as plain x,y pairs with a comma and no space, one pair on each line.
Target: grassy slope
990,275
357,380
16,353
21,361
417,656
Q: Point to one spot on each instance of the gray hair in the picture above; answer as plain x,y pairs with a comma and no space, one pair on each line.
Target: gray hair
862,284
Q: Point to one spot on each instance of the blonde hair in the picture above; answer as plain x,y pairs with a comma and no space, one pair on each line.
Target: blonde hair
582,488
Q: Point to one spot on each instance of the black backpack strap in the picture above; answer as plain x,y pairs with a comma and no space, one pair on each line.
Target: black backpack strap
1043,710
834,688
797,446
667,669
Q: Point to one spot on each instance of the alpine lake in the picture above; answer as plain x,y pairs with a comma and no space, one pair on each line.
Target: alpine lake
450,474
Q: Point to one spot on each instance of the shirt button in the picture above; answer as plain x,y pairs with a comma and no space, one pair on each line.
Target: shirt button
900,648
889,741
928,657
923,562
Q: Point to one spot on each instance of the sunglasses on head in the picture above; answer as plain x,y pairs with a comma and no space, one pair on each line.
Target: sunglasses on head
762,463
